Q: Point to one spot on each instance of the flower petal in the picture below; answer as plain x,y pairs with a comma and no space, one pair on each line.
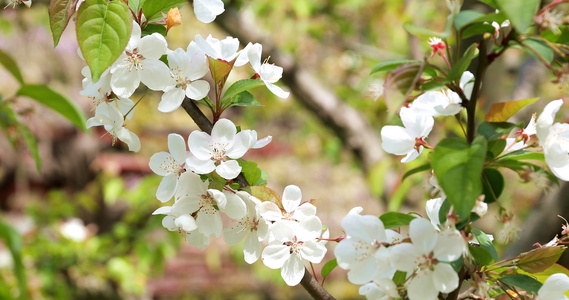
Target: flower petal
445,278
292,195
274,256
171,100
167,188
293,270
228,169
177,147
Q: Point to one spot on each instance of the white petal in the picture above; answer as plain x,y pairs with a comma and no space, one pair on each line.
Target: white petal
235,207
171,100
313,251
422,288
396,140
209,224
235,234
190,185
186,222
223,131
155,75
207,10
241,143
366,228
292,195
167,188
279,92
450,245
270,211
304,211
163,210
161,162
293,270
177,147
153,46
197,90
124,82
200,166
199,144
252,248
423,235
274,256
467,83
546,118
404,255
228,169
444,278
198,239
129,138
263,142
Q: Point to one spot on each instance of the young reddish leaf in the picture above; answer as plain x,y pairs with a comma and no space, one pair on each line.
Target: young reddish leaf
538,260
502,111
103,31
60,12
399,84
220,70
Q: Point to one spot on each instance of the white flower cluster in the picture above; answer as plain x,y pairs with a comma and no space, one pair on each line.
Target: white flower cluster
373,254
182,77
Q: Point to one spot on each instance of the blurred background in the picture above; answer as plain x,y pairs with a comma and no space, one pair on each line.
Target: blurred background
83,222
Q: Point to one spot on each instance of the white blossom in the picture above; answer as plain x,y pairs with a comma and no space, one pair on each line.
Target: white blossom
294,209
252,227
140,62
74,229
219,150
362,251
381,289
109,116
170,165
185,70
268,73
407,140
555,140
225,49
444,102
294,242
426,257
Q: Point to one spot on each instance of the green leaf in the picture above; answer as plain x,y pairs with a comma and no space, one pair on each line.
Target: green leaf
458,167
399,277
250,170
492,185
60,12
538,260
103,30
31,143
243,99
519,12
152,9
240,86
152,28
490,2
481,255
542,276
390,65
485,243
522,281
425,32
136,5
216,182
502,111
496,147
494,130
538,46
55,101
477,29
395,219
462,64
524,155
466,17
13,242
8,62
418,169
329,267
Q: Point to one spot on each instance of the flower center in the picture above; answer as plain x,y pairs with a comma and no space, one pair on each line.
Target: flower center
218,152
180,77
134,60
207,204
427,262
364,249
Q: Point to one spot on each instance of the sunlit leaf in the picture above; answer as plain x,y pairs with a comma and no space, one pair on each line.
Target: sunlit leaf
480,254
519,12
390,65
13,241
103,31
152,9
219,70
418,169
458,167
485,243
394,219
8,62
240,86
265,194
60,12
494,130
250,170
477,29
502,111
462,64
425,32
55,101
465,18
30,141
329,267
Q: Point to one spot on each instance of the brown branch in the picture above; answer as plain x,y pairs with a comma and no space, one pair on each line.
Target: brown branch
314,288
